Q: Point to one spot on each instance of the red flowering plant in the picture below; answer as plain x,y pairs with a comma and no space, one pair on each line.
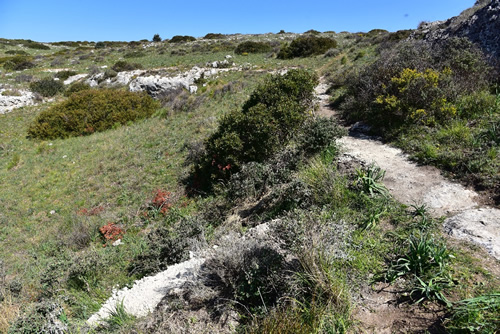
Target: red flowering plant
111,232
162,201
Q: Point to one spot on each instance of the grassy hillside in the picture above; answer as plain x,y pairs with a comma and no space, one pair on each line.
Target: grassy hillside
342,231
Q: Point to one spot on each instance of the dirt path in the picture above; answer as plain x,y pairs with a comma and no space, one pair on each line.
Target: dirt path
377,310
412,184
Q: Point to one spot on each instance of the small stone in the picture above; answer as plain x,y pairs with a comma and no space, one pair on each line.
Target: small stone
117,242
52,212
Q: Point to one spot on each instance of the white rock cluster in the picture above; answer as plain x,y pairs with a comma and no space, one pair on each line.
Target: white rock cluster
9,103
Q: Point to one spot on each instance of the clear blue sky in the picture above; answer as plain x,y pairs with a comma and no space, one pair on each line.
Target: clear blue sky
126,20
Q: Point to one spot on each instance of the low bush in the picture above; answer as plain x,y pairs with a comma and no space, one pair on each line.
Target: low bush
252,47
35,45
18,63
121,66
253,273
17,52
181,39
43,317
134,54
76,87
214,36
267,120
63,75
47,87
318,133
306,46
415,82
167,245
100,45
91,111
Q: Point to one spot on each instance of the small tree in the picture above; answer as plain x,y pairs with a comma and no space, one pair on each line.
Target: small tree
156,38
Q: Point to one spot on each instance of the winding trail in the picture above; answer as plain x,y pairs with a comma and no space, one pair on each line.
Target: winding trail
416,185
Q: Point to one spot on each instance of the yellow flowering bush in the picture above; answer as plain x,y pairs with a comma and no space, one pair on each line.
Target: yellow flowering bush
418,97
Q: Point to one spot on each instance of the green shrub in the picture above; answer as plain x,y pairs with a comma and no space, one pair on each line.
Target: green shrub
214,36
134,54
252,47
100,45
47,87
17,63
35,45
415,78
121,66
306,46
43,317
63,75
156,38
76,87
267,120
319,133
91,111
181,39
167,246
17,52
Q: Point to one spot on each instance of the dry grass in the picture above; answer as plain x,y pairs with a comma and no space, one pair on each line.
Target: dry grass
9,311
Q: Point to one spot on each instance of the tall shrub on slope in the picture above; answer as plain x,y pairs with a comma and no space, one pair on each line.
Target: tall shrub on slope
267,120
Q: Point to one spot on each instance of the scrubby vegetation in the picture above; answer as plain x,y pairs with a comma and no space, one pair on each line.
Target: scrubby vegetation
47,87
181,39
264,124
420,96
252,47
91,111
246,150
306,46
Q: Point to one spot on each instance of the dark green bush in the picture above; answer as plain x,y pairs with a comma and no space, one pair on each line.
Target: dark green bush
181,39
91,111
121,66
63,75
156,38
35,45
267,120
214,36
18,63
76,87
319,133
42,317
252,47
251,272
100,45
47,87
17,52
306,46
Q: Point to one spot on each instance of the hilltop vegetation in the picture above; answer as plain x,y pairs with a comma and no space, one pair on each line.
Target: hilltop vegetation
195,168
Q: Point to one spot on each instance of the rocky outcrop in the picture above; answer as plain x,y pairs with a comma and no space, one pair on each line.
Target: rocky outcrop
10,102
481,24
156,82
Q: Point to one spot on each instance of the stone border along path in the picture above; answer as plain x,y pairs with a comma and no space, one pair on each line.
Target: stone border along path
416,185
